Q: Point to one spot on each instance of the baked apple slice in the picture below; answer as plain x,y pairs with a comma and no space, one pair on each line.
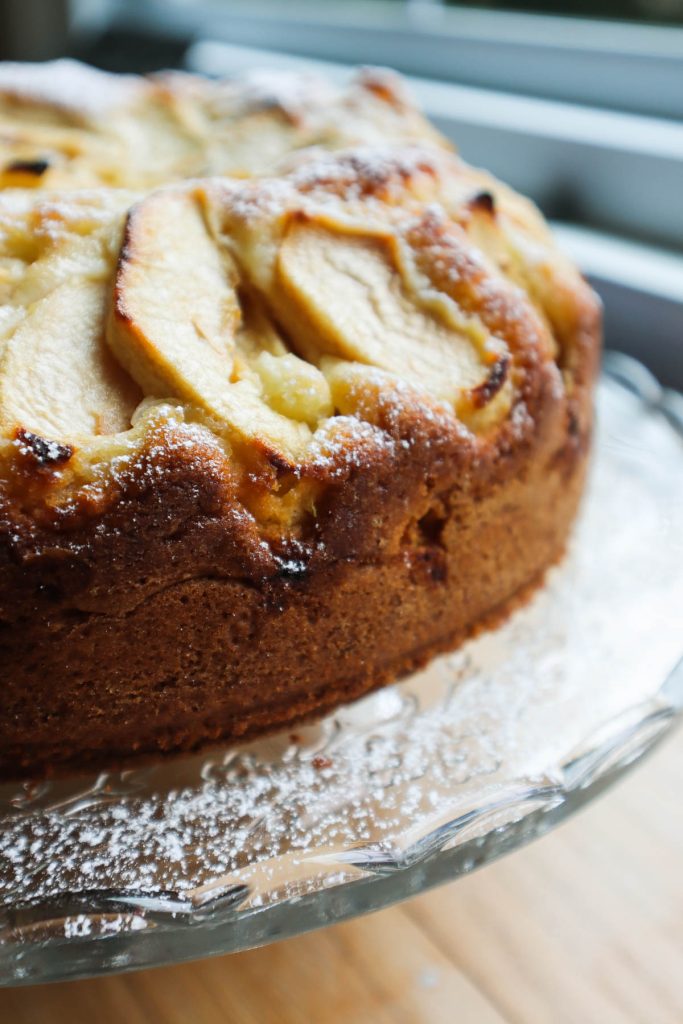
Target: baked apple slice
57,376
175,318
356,297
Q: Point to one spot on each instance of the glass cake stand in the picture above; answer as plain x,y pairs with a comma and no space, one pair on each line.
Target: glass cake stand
414,785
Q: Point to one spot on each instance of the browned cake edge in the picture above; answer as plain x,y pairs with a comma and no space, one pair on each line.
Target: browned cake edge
164,623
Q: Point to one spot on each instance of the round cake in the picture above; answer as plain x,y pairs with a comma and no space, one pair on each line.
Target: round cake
290,400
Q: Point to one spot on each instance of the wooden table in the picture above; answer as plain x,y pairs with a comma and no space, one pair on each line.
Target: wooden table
584,926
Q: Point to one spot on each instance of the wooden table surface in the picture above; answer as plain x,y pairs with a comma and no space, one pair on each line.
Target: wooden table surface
584,926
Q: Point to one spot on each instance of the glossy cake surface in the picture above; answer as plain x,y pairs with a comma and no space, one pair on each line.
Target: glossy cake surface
283,411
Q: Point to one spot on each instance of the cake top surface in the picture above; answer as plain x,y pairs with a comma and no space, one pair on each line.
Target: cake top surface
63,124
327,298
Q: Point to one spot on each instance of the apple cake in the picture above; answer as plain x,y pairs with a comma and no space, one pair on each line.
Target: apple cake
271,437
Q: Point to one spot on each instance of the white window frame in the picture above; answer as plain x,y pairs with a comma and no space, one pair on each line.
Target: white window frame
609,64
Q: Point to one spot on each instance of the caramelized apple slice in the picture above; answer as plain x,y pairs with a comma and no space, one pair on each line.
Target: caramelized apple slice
174,320
57,376
343,295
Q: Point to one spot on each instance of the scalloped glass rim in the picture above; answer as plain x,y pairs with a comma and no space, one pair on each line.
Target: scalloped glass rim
484,750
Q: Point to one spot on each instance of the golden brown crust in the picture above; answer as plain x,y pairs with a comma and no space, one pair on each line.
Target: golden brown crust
181,650
367,404
166,623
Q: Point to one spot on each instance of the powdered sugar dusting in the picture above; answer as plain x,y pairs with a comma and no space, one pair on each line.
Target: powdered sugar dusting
67,84
298,94
364,167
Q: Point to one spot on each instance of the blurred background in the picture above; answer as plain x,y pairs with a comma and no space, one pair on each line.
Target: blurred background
578,104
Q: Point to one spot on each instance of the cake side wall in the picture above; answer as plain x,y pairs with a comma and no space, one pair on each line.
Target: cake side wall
206,659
